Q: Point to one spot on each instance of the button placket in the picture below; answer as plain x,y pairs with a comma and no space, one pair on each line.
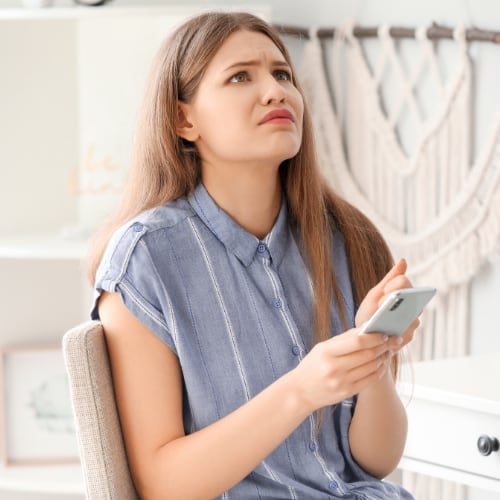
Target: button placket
279,304
333,485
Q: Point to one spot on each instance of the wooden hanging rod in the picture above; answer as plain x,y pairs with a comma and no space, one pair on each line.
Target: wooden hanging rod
435,31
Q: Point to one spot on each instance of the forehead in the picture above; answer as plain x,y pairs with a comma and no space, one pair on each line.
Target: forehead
245,45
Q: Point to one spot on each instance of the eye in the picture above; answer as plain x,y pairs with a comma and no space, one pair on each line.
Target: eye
240,77
282,75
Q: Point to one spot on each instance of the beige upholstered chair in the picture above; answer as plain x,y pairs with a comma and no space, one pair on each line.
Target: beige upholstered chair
102,451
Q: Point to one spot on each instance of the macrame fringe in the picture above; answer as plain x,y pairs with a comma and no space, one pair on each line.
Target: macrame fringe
450,244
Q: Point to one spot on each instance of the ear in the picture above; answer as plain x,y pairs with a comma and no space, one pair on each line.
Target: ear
185,127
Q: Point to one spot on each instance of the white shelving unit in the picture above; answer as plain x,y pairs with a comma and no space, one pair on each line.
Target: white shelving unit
47,247
80,12
55,480
71,81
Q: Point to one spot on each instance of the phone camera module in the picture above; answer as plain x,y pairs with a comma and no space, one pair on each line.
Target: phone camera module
396,304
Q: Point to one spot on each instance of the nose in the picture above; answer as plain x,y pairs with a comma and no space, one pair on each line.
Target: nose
272,91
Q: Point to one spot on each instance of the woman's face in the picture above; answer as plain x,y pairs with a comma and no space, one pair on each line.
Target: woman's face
246,108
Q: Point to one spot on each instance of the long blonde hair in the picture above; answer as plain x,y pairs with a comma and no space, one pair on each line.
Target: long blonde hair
165,167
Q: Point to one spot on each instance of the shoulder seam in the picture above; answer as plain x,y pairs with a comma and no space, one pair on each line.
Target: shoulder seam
145,310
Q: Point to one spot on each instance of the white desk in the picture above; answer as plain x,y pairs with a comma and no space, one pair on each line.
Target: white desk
450,403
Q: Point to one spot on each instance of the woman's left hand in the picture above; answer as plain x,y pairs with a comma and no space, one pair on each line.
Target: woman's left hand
394,280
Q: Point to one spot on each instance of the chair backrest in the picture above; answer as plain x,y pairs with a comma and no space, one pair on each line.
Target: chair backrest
102,451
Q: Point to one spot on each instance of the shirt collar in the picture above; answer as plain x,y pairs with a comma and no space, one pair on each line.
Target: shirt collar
236,239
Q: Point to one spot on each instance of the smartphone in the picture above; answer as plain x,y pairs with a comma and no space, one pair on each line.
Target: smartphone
398,311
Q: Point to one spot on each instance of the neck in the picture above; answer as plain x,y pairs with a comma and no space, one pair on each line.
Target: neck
251,196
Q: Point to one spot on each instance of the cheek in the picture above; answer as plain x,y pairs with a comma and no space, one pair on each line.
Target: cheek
225,119
220,116
222,132
298,105
221,128
296,102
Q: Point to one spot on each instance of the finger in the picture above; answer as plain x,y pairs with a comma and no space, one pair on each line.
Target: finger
359,358
410,331
350,341
397,343
397,283
371,371
396,270
378,290
373,377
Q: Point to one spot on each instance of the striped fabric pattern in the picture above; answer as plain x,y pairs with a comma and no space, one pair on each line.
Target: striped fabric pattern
237,311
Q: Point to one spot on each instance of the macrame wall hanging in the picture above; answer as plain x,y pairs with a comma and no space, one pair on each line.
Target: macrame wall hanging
435,207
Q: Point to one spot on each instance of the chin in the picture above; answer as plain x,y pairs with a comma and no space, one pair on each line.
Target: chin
291,153
286,149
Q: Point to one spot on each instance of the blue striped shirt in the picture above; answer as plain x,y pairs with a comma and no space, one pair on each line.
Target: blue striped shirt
238,312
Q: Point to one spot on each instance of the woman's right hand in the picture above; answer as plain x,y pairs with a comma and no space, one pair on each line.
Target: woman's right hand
342,366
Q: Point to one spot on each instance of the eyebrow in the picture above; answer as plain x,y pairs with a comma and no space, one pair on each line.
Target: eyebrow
276,64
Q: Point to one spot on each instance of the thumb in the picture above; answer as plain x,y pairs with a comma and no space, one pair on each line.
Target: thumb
377,291
397,269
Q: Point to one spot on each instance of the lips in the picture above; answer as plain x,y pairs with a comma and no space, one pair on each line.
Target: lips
277,116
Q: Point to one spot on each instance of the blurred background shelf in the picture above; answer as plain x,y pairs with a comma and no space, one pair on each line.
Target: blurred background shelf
81,12
46,247
56,480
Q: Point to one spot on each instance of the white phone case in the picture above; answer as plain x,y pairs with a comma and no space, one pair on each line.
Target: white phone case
398,311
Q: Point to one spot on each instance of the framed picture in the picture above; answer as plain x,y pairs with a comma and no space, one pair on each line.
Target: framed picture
37,425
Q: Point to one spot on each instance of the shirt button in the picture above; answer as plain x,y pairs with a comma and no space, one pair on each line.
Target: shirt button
312,446
261,248
295,350
333,485
277,303
138,227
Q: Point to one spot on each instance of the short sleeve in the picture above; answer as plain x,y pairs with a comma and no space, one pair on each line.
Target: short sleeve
128,269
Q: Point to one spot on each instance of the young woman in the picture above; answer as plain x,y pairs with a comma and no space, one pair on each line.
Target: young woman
233,285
